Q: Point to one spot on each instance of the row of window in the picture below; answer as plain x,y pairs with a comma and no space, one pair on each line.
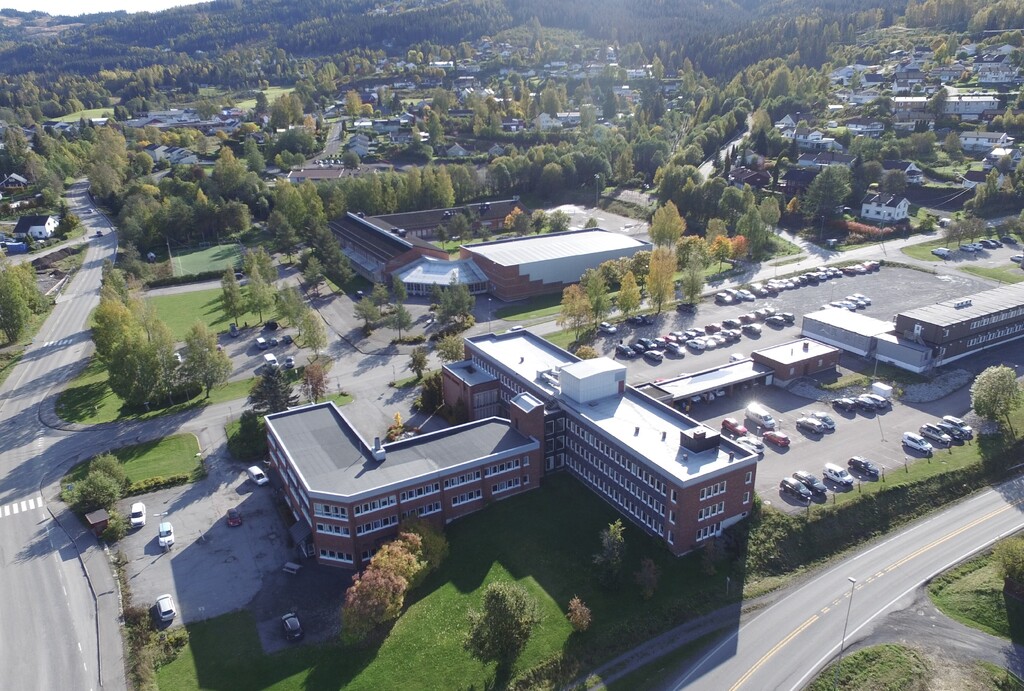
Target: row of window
712,490
613,455
1001,316
331,529
375,505
506,485
504,466
424,510
617,478
708,531
466,497
330,511
598,483
712,510
458,480
379,524
432,488
331,555
994,335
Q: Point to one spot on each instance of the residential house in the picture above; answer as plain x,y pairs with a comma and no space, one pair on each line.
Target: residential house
977,142
796,180
948,73
973,178
788,122
999,153
814,140
496,150
912,174
823,159
512,124
545,123
905,105
739,177
14,182
884,207
569,119
867,127
36,227
970,106
456,151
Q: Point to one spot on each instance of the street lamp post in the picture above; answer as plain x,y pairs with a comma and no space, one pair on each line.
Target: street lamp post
488,314
597,189
842,641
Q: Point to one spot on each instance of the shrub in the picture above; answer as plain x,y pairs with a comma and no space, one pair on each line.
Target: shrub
247,440
414,339
109,465
97,491
578,614
154,483
117,527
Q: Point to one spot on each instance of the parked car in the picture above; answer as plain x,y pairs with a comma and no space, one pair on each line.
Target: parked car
287,339
747,318
844,404
839,476
930,431
881,402
1018,258
233,330
752,329
731,323
959,423
746,295
289,362
776,320
794,488
724,298
165,607
712,328
638,348
271,325
917,443
137,517
942,252
824,418
752,444
864,403
625,351
1008,240
257,475
234,518
654,355
291,626
647,343
810,481
676,349
687,307
605,327
809,424
733,425
863,466
776,437
165,535
787,317
273,342
954,432
698,344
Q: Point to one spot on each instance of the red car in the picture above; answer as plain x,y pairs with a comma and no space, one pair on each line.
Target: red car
234,518
733,425
776,437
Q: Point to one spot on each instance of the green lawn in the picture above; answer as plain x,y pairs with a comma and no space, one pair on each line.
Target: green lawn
88,114
88,399
887,666
168,456
543,539
923,250
181,310
660,672
213,258
534,308
972,593
1008,273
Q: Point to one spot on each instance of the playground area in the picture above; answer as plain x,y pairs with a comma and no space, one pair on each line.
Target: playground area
187,261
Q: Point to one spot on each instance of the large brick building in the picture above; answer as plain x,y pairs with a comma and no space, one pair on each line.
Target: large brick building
533,409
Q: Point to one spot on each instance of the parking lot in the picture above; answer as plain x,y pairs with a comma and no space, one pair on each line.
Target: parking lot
986,258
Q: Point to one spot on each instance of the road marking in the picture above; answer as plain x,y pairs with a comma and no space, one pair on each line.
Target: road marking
825,610
7,511
23,506
950,536
26,508
14,507
778,646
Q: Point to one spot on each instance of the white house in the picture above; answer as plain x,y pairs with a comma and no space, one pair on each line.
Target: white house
36,227
977,142
545,122
867,127
912,174
884,207
973,178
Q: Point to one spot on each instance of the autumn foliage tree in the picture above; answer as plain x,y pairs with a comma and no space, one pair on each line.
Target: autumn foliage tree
578,614
647,577
377,595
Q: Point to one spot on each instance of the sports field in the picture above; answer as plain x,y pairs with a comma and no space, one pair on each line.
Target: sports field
213,258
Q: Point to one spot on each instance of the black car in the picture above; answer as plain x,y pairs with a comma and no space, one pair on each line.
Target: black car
811,482
866,404
272,342
271,325
647,343
952,430
291,627
639,348
731,323
863,466
287,339
794,488
776,320
625,351
788,317
687,307
844,404
1008,240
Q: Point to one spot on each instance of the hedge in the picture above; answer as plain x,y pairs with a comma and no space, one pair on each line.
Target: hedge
186,279
154,483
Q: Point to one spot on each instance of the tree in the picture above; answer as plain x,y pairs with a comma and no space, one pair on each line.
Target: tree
1009,555
660,287
647,577
259,295
368,312
289,305
613,547
374,598
400,319
433,544
558,221
576,310
951,145
380,297
893,182
313,274
450,349
769,211
231,296
418,361
578,614
586,352
205,365
667,226
629,294
996,393
314,381
597,293
693,282
720,250
399,290
827,192
517,222
14,304
538,219
272,393
716,229
499,631
312,331
96,491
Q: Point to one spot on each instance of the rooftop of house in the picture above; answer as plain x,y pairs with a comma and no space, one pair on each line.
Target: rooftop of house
554,246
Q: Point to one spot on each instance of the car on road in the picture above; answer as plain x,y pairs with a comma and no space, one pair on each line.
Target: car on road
257,475
959,423
165,535
733,425
291,626
165,607
289,362
606,328
810,424
234,518
839,476
930,431
623,350
916,442
824,418
654,355
776,437
137,517
811,482
863,466
845,404
794,488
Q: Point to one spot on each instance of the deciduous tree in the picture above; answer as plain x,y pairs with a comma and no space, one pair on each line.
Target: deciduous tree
647,577
613,547
576,311
667,226
205,365
418,361
578,615
231,296
450,349
629,295
314,381
597,293
660,285
500,630
312,331
996,393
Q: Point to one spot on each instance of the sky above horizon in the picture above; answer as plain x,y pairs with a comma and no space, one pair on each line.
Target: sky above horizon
77,7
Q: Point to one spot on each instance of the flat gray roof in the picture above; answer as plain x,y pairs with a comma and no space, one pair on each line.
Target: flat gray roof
469,373
573,243
687,385
332,459
525,354
788,353
946,313
850,321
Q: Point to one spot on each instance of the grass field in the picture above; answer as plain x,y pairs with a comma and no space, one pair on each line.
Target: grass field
88,399
543,539
213,258
972,593
1008,273
88,114
878,667
181,310
162,458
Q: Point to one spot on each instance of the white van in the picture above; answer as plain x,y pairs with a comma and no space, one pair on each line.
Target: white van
757,413
270,360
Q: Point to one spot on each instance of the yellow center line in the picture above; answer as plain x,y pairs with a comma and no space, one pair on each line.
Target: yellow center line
950,536
778,646
825,610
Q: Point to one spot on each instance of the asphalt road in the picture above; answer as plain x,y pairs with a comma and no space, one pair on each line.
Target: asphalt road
787,643
49,635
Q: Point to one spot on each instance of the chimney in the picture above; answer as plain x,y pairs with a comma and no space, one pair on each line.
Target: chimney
377,450
663,434
807,346
636,432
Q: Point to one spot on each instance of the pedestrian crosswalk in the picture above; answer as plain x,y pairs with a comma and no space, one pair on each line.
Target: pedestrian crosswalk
22,506
61,342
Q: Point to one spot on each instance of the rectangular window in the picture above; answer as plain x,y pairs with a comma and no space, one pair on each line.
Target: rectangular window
505,485
375,505
329,529
331,555
673,496
672,517
746,497
330,511
459,480
466,497
749,477
379,524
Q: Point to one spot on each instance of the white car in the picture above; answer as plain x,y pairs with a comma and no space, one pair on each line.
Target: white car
861,298
697,344
917,442
257,475
838,475
942,252
752,444
605,327
165,535
137,518
746,295
957,422
165,607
